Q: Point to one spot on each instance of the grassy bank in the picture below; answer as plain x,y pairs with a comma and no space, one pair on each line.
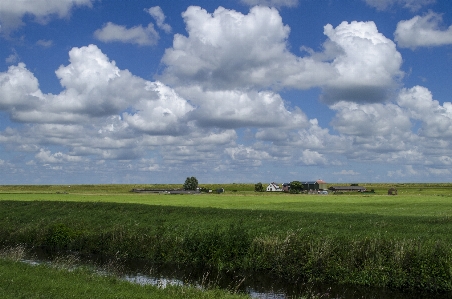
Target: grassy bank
19,280
394,241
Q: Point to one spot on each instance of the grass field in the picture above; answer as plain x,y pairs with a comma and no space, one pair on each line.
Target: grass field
401,241
20,280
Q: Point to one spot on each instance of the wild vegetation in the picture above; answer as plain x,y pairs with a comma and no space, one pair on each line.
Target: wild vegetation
61,280
401,241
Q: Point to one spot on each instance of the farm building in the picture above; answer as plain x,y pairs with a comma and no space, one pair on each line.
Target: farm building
286,187
272,187
347,189
314,185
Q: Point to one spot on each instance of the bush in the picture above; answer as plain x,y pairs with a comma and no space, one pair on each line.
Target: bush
258,187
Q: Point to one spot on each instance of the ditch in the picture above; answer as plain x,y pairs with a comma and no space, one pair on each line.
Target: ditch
256,285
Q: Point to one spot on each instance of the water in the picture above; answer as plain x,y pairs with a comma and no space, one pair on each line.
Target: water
257,285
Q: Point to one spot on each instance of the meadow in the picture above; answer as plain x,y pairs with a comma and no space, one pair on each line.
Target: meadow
371,239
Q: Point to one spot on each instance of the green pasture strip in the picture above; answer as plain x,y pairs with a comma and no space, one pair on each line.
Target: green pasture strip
20,280
309,237
437,205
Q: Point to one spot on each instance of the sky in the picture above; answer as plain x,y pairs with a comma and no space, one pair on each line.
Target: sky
234,91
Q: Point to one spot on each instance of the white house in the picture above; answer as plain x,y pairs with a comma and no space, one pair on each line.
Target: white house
273,187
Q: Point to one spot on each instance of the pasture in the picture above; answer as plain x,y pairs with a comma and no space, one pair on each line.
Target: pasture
370,239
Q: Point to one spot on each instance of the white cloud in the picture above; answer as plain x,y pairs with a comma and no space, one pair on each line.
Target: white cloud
366,62
44,43
406,172
272,3
423,31
103,112
309,157
370,119
347,172
412,5
248,155
235,109
436,119
439,172
157,13
18,88
13,58
47,157
12,11
229,50
164,114
143,36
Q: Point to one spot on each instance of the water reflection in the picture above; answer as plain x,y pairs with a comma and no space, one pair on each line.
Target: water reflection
257,285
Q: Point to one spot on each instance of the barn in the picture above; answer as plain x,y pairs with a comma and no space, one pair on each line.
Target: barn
314,185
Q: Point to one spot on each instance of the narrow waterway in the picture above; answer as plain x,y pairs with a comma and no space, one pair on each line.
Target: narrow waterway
257,285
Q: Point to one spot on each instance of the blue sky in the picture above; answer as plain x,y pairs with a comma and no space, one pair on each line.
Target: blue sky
228,91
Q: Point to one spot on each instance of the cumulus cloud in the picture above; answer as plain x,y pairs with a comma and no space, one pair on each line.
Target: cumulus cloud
367,63
248,155
230,50
309,157
272,3
12,11
157,13
163,115
143,36
93,87
235,109
45,156
370,119
412,5
436,119
227,49
423,31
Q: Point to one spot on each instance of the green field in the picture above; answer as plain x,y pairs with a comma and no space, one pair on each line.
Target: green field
373,239
20,280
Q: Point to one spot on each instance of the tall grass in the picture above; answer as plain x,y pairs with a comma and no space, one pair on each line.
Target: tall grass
20,280
407,252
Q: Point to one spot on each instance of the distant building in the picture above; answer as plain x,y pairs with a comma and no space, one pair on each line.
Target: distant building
286,187
273,187
314,185
347,188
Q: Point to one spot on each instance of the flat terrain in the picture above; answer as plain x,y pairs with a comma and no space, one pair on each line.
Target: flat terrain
400,241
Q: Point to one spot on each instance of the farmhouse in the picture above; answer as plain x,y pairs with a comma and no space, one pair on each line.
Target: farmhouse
272,187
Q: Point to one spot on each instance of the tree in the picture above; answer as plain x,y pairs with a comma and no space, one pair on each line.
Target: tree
191,183
258,187
296,187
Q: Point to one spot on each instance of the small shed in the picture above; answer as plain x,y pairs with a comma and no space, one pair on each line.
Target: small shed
392,191
273,187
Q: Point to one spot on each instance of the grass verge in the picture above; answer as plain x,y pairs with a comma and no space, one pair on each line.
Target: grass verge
21,280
